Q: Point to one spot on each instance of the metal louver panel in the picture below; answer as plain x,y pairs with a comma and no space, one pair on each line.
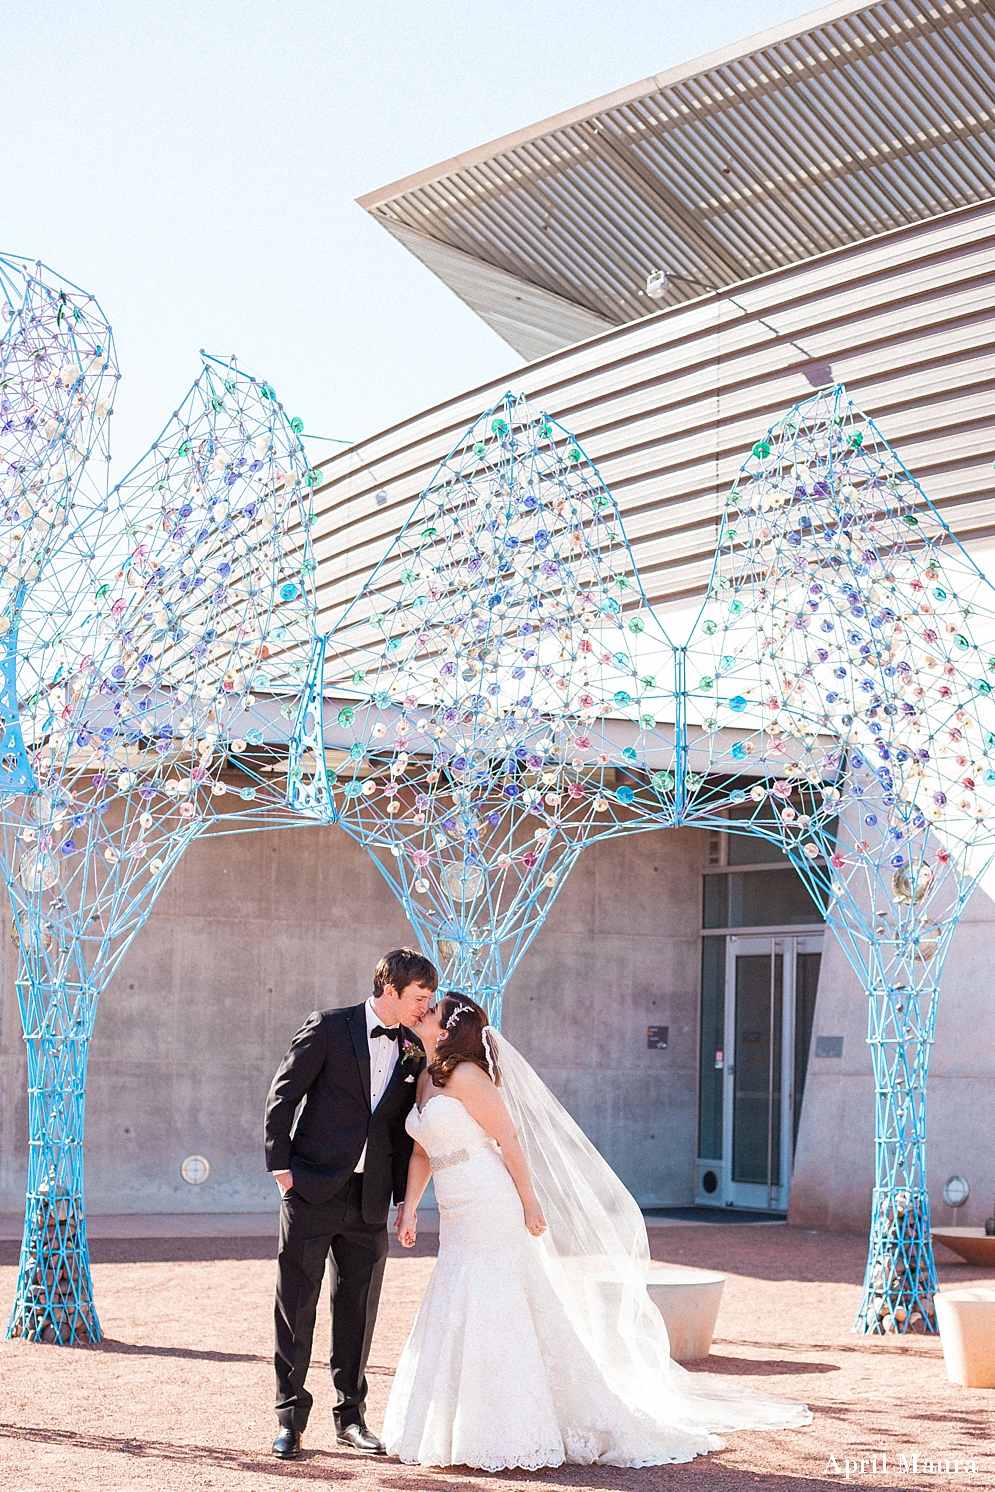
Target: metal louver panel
861,119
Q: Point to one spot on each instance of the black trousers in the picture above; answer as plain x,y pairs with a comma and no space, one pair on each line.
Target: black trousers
309,1232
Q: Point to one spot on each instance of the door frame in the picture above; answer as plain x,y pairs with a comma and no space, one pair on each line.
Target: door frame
789,943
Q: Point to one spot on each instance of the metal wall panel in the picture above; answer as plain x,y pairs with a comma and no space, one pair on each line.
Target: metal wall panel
668,407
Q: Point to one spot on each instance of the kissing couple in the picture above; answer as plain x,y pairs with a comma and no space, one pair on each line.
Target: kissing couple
536,1342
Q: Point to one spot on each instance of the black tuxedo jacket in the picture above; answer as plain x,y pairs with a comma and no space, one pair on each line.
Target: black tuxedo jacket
328,1065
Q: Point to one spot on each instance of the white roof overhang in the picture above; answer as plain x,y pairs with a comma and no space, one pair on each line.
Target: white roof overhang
849,122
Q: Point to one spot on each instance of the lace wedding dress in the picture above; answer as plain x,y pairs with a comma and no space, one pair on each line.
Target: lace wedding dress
523,1355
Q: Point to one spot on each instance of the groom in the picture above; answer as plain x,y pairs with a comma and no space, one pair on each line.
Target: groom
337,1167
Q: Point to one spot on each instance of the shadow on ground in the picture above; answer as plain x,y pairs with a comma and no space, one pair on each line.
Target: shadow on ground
785,1253
198,1250
343,1467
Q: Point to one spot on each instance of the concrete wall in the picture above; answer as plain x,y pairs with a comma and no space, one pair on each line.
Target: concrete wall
255,931
13,1079
251,933
834,1162
621,951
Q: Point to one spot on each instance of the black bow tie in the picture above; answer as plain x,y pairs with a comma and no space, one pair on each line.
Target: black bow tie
392,1033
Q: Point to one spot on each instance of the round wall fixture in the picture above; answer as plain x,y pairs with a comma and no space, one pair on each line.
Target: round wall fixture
195,1169
956,1191
709,1182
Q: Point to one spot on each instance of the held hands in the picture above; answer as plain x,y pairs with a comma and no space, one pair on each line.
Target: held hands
406,1225
534,1220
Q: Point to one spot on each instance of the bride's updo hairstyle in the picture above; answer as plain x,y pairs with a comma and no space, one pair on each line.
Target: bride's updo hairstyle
462,1039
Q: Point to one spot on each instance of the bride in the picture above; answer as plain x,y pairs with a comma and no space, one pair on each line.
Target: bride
536,1342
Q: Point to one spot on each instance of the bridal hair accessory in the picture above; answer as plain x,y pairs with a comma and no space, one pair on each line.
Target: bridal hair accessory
459,1011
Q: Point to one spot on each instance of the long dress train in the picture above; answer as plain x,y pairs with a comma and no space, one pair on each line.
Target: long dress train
501,1368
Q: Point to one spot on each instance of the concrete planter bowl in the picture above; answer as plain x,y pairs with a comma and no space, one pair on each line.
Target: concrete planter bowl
688,1300
966,1319
973,1245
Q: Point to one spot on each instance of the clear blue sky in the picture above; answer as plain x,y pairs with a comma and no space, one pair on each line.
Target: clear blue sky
195,165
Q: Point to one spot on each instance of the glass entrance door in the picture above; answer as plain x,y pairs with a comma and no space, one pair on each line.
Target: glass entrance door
770,989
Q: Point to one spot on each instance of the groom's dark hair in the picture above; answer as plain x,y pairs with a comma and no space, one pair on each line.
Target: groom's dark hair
401,967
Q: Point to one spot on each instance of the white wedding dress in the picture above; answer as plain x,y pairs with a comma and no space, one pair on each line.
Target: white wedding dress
534,1352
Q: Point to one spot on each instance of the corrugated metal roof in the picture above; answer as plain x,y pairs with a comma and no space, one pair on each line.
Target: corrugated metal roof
668,407
851,122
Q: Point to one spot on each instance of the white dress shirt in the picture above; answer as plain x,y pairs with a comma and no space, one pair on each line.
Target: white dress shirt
383,1060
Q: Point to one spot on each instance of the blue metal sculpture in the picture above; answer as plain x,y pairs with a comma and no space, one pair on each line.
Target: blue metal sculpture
865,638
56,388
490,684
154,711
500,695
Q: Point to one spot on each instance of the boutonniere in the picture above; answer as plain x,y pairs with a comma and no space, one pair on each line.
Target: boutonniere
411,1051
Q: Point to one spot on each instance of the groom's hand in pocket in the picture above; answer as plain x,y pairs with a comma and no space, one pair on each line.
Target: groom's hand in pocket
284,1180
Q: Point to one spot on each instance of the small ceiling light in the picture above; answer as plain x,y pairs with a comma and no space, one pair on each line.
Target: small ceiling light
658,283
381,499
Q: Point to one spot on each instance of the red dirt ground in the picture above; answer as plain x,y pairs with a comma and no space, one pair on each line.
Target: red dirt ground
178,1395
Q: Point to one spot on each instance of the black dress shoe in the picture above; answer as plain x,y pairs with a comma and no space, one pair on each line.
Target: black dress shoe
361,1439
287,1444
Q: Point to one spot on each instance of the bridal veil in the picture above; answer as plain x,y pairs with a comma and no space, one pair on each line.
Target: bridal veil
596,1254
